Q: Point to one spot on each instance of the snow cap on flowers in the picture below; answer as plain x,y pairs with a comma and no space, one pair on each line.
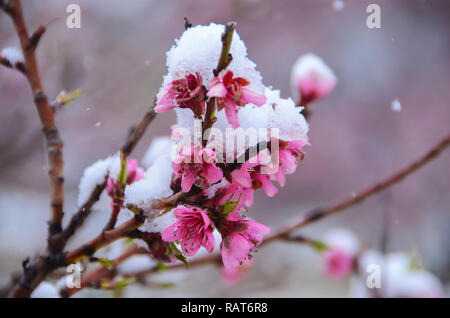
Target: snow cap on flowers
311,79
342,239
198,50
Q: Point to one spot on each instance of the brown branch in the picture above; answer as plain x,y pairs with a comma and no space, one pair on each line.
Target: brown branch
94,278
319,213
17,66
53,141
105,238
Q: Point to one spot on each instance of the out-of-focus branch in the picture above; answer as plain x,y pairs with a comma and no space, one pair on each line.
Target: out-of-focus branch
18,65
54,144
319,213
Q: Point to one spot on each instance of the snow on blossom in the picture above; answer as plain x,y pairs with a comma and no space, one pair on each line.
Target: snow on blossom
342,239
134,173
198,50
192,229
239,238
45,290
93,175
286,116
338,259
399,276
311,79
13,55
186,92
154,185
157,148
230,93
195,164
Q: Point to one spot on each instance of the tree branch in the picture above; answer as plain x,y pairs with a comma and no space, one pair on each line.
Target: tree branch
105,238
53,141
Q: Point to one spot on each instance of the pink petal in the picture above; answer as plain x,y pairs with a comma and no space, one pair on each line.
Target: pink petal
232,116
242,177
168,234
187,181
217,90
209,241
237,251
212,173
267,186
249,96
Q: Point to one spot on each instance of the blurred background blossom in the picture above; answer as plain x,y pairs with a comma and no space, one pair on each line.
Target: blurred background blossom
118,59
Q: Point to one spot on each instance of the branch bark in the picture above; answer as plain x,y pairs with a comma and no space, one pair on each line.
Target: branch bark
51,134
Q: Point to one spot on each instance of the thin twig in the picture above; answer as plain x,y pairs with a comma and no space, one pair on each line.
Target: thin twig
105,238
53,141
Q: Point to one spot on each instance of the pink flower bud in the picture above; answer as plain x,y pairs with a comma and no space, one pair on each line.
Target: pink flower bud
311,79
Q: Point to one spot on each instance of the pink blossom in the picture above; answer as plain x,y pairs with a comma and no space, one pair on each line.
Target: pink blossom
290,155
311,79
133,175
248,177
337,263
232,275
187,92
239,238
230,93
197,165
193,229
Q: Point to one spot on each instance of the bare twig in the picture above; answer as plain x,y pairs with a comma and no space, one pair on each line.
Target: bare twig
105,238
53,141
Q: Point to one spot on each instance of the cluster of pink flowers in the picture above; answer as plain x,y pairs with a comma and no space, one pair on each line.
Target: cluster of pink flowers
229,93
194,228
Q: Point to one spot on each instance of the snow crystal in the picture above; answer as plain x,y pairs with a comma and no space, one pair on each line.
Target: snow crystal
158,147
285,115
13,55
92,176
45,290
160,223
198,50
338,5
396,106
154,185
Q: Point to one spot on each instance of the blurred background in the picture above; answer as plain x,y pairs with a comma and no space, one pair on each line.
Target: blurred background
118,59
